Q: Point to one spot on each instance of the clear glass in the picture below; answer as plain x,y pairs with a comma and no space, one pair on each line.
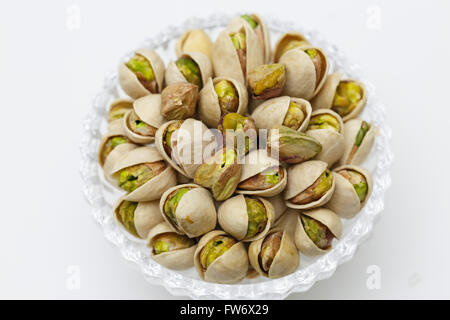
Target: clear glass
102,196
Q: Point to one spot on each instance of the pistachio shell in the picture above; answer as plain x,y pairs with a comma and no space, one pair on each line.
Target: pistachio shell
209,108
233,217
285,39
119,104
327,217
115,128
332,142
345,201
195,213
279,207
130,83
152,189
230,267
173,75
112,158
195,40
273,111
225,58
285,261
300,177
351,129
178,259
288,222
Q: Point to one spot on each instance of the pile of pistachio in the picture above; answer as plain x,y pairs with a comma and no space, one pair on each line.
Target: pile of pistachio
232,219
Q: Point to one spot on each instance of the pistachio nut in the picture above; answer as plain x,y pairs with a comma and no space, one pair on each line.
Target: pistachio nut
119,108
279,207
288,41
265,180
220,173
109,144
133,177
168,133
125,214
195,40
348,95
191,67
257,217
227,96
190,70
267,81
316,191
168,242
292,146
294,116
139,127
359,137
239,132
215,247
179,101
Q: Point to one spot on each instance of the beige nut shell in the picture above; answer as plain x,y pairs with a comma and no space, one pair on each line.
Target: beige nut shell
273,111
176,260
115,128
225,58
300,177
284,40
230,267
195,213
279,208
345,201
209,108
351,129
130,83
152,189
195,40
285,261
332,141
256,162
233,218
146,216
288,222
173,75
120,103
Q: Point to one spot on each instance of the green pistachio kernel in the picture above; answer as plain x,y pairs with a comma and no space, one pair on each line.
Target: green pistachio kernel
294,116
317,232
316,191
126,216
174,126
215,248
324,121
266,79
233,121
172,203
141,67
168,242
139,127
365,127
250,20
358,181
190,70
271,176
312,53
238,39
110,144
347,96
257,217
228,96
135,176
295,146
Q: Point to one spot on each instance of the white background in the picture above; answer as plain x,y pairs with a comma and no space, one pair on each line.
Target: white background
51,69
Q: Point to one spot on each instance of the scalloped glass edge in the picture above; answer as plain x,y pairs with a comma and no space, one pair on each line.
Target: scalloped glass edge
176,283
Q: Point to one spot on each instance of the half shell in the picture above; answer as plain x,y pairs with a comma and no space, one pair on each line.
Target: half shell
279,208
351,129
195,40
119,104
173,75
283,41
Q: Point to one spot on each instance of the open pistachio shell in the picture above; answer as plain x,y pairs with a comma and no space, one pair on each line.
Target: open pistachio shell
130,83
225,58
230,267
153,188
187,150
146,216
261,30
209,108
332,141
351,130
325,216
273,112
173,74
345,201
178,259
195,40
285,261
284,40
300,177
118,108
279,208
233,217
301,78
288,222
115,128
256,162
195,213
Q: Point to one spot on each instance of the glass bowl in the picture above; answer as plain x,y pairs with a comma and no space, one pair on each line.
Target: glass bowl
101,196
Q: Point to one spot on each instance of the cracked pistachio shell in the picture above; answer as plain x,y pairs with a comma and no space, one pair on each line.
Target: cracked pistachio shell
301,75
146,216
256,162
332,141
173,75
225,58
300,177
285,261
153,188
261,31
272,112
288,222
351,129
118,108
188,128
233,217
209,108
230,267
177,259
195,212
195,40
324,98
130,83
279,208
327,217
345,201
148,109
284,40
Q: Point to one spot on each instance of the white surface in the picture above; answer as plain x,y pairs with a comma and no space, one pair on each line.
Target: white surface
51,69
